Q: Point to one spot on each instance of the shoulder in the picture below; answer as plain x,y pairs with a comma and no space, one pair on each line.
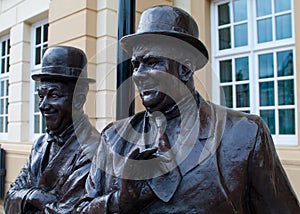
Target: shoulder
238,128
239,120
38,143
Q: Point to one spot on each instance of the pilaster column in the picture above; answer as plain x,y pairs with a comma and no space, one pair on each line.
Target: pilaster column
19,83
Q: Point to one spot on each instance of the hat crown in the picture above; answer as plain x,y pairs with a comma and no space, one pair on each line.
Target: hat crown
65,60
167,19
64,56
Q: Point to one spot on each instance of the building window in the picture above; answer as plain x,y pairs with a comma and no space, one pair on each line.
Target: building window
39,46
274,20
256,73
232,22
4,83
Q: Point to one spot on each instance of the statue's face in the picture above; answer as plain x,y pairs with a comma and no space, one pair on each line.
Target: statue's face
152,77
55,104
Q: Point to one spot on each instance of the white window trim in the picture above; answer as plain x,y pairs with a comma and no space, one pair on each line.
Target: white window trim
33,69
252,50
3,77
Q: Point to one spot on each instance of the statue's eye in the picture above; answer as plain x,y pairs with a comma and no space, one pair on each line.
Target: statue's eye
135,64
152,62
55,95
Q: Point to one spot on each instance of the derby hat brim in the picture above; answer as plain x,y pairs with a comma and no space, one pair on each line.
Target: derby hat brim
176,39
61,72
45,76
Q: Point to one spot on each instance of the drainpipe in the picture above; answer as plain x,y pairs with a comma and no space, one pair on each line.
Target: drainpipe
125,89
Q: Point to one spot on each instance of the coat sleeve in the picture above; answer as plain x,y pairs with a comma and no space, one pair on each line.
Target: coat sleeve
21,188
270,190
100,185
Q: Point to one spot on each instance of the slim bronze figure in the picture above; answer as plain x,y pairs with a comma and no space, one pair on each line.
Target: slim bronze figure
54,176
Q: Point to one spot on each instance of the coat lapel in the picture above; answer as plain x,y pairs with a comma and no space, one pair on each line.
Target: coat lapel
212,125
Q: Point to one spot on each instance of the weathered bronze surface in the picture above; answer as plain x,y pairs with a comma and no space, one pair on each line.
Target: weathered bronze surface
220,161
54,176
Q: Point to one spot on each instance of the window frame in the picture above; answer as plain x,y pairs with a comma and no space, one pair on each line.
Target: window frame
252,50
5,78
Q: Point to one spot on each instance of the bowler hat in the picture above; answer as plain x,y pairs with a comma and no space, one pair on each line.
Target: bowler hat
63,63
172,22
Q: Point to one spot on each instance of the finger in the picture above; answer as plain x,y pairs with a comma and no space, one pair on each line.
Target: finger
145,154
134,153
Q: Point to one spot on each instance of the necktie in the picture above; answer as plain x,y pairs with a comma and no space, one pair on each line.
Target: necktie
164,186
51,150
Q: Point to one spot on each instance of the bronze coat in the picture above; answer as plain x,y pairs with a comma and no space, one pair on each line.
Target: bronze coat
64,176
243,175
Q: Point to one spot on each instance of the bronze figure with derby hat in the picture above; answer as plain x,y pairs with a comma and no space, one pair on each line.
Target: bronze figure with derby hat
222,161
60,159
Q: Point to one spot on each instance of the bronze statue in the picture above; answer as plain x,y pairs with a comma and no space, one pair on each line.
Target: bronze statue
54,176
183,154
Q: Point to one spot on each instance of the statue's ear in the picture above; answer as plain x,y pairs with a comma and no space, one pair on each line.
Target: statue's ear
79,100
186,71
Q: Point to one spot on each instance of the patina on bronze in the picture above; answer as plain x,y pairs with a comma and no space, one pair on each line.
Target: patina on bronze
183,154
54,176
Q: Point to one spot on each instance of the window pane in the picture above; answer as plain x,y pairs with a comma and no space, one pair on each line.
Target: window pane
266,65
286,92
282,5
240,10
226,71
226,98
6,124
36,103
286,121
38,55
241,69
266,93
269,117
224,38
7,64
283,27
45,34
43,125
6,106
3,48
264,30
240,35
38,36
2,89
263,7
285,63
36,123
1,106
224,15
242,95
2,65
8,46
7,87
1,124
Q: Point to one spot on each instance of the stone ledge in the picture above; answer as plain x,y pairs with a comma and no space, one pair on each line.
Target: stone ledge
17,147
289,155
